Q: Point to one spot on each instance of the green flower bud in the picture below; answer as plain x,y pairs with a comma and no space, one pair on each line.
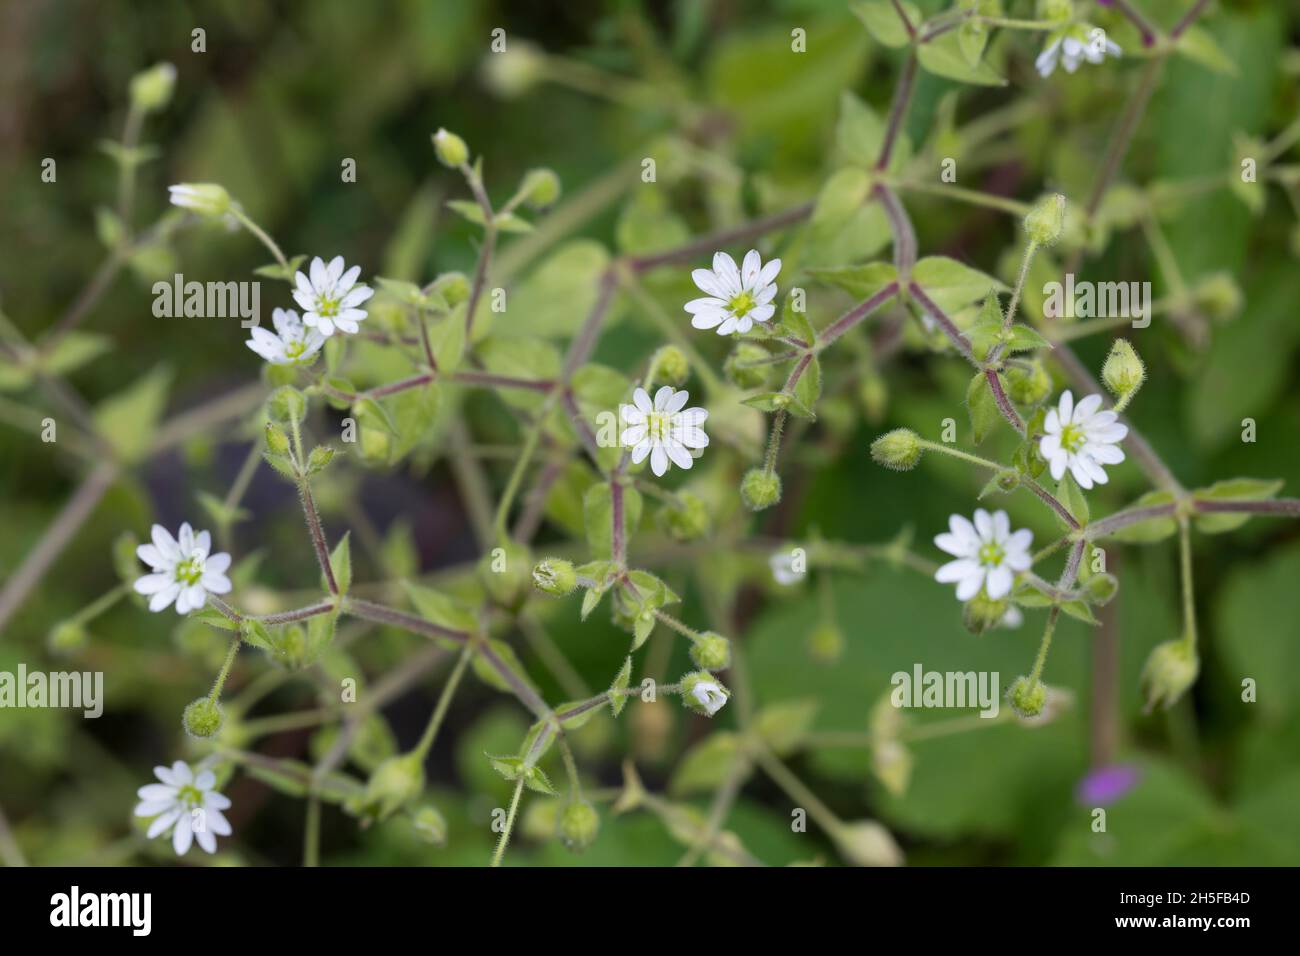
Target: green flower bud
205,199
688,520
540,188
320,456
453,286
505,572
867,843
396,782
555,576
826,642
202,718
891,762
1027,697
1101,588
1218,296
712,652
450,149
982,612
66,636
1123,372
899,449
1028,386
873,393
671,365
740,372
151,89
277,442
430,824
703,693
578,826
515,70
760,489
1046,221
1169,671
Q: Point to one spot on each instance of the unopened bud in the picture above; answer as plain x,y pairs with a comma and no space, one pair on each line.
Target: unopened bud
741,371
1028,385
687,519
277,442
1123,372
151,89
450,149
203,717
205,199
579,823
760,489
555,576
867,843
1218,296
1101,588
396,782
505,572
1046,221
453,286
899,449
704,693
1027,696
670,365
983,612
540,188
1169,672
712,652
826,642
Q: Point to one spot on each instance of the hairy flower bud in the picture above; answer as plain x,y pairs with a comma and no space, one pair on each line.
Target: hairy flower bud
704,693
452,286
899,449
867,843
1169,671
982,612
688,520
1027,697
515,70
1101,588
540,188
1218,296
1055,10
555,576
430,824
396,782
450,149
1046,221
739,368
670,365
578,825
760,489
712,652
1028,386
203,718
1123,372
205,199
151,89
826,642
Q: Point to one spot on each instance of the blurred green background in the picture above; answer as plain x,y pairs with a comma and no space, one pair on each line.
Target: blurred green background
287,91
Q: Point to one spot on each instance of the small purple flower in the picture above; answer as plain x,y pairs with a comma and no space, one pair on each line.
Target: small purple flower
1107,784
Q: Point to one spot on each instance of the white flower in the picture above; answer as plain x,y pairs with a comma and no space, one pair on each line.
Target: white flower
665,430
987,553
1082,438
782,565
184,571
331,296
737,298
295,344
185,804
709,696
206,199
1074,45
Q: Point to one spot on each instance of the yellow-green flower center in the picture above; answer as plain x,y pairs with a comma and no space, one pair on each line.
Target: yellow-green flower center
189,571
1072,438
741,304
327,307
991,554
658,425
293,350
190,795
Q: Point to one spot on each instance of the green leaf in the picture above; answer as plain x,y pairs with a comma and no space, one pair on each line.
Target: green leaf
982,406
276,271
1152,529
944,56
859,133
598,511
214,618
1234,489
1072,497
617,700
841,195
809,388
1199,45
705,766
861,282
952,284
557,295
785,726
972,37
1024,339
439,609
129,419
74,350
221,514
647,224
490,675
505,222
341,563
883,22
1080,611
519,356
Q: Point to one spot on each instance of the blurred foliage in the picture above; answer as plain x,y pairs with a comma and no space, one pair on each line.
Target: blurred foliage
287,91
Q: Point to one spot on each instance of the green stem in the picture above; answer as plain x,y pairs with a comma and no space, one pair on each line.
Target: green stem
510,823
444,701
